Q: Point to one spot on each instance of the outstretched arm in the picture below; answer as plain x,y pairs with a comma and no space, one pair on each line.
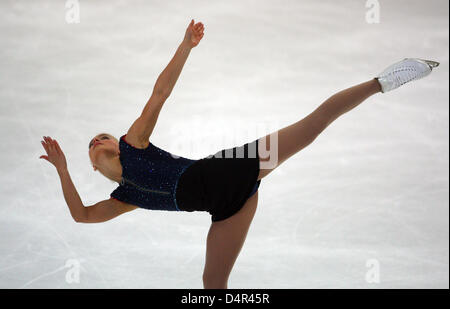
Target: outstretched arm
167,79
139,133
99,212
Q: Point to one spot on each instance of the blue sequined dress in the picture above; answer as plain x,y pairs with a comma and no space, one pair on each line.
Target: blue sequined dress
153,178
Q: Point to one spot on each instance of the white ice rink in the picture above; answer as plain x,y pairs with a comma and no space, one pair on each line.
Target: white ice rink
368,200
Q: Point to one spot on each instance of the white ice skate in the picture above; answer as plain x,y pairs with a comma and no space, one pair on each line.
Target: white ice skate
404,71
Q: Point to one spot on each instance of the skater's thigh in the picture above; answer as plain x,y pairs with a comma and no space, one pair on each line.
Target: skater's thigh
278,146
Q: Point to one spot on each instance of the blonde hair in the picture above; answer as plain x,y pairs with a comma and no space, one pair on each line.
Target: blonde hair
104,133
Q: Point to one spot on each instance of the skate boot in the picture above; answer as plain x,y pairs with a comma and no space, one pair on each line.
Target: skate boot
404,71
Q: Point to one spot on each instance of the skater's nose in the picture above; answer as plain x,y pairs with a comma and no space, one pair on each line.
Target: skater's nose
93,142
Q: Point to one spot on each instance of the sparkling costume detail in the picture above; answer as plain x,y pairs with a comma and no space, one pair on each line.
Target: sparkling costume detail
149,176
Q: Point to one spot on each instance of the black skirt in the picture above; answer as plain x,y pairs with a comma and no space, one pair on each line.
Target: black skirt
220,183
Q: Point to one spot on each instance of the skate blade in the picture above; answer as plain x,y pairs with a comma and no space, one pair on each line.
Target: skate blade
432,64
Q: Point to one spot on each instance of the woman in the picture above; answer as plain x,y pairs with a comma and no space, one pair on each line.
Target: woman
225,184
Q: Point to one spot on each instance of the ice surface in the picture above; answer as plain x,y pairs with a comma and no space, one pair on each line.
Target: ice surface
371,190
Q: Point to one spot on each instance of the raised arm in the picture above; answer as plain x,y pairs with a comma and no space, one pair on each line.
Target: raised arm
169,76
142,128
99,212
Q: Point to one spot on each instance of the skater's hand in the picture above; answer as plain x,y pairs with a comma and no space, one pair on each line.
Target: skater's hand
54,153
194,33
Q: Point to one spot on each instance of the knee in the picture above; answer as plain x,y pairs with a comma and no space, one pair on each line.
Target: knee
320,120
214,281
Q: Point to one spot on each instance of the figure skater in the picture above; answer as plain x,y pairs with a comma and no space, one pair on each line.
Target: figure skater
224,184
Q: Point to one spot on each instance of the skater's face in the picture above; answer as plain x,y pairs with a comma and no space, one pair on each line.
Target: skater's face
102,146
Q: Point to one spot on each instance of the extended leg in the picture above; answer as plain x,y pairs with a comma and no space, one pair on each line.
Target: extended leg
300,134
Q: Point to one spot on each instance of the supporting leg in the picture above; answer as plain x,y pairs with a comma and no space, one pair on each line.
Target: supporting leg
224,242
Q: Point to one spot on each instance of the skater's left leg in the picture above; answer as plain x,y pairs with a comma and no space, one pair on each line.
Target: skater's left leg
295,137
224,242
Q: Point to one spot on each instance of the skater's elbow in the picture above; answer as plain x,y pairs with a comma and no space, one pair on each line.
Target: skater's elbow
80,219
88,219
81,216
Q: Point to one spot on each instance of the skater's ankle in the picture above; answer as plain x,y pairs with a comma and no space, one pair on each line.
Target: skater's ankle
376,85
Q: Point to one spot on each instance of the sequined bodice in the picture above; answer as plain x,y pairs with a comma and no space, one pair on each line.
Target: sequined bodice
149,176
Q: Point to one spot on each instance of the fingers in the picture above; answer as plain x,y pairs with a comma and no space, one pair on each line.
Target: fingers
199,27
58,149
49,145
198,32
44,144
54,152
48,140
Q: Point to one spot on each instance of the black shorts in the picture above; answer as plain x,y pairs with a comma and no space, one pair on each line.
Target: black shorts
220,183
